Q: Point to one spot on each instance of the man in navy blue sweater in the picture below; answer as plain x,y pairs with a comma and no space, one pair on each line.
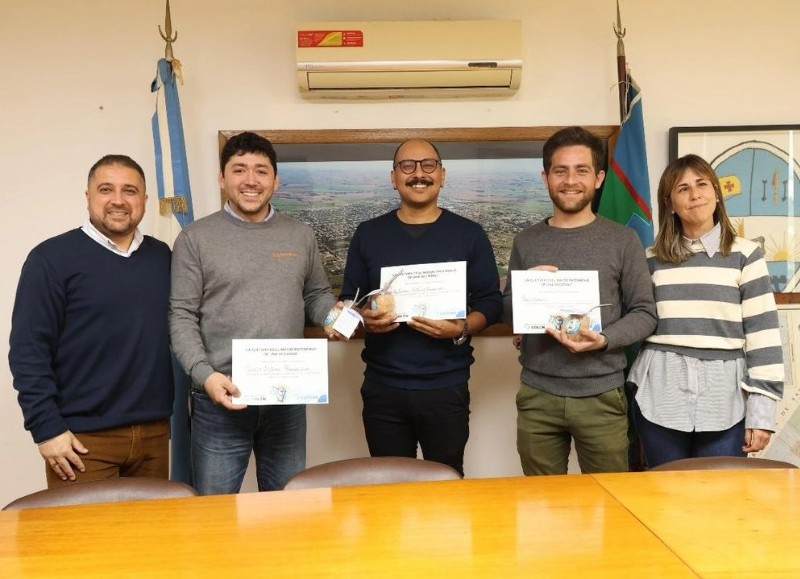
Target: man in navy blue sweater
415,388
89,347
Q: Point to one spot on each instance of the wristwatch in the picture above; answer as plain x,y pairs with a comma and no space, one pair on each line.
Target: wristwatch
464,334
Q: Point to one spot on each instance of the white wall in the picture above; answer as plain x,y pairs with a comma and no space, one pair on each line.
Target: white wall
75,85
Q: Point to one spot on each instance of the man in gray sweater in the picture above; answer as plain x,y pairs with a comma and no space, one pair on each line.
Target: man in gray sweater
245,271
574,390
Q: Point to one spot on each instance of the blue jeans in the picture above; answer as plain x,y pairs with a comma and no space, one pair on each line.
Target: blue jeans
663,445
223,439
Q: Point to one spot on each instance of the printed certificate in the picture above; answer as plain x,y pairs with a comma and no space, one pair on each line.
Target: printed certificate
544,299
281,371
432,290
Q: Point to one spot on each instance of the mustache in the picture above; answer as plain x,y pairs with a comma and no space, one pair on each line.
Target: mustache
418,180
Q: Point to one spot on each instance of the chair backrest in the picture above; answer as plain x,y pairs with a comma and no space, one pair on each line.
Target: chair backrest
113,490
722,463
371,471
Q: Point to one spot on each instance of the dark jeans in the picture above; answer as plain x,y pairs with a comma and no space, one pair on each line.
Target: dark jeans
396,419
222,441
663,445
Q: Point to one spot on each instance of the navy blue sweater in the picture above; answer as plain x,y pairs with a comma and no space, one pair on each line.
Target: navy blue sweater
89,336
406,358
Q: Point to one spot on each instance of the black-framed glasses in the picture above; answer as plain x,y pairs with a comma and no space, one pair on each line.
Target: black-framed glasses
408,166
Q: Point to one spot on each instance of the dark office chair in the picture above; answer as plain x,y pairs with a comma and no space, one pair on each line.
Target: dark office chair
371,471
722,463
113,490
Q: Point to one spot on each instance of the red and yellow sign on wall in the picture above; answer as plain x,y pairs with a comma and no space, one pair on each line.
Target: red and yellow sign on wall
329,38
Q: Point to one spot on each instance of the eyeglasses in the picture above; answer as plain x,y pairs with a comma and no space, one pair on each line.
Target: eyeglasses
408,166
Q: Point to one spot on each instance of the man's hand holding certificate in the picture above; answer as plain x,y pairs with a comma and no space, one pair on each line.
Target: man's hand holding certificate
437,291
567,303
281,371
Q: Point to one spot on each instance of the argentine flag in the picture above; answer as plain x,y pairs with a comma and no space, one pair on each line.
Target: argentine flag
172,170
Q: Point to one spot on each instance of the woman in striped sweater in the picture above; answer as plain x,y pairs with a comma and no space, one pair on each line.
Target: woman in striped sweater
709,377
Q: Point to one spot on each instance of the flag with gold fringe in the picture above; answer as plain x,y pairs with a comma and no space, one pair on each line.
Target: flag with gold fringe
172,169
175,212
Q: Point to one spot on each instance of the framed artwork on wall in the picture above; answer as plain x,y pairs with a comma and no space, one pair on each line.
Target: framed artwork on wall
759,172
334,179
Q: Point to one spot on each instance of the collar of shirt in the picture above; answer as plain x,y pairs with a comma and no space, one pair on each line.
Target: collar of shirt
95,234
235,215
708,242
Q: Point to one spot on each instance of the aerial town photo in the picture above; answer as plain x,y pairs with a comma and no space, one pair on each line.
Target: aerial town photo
333,197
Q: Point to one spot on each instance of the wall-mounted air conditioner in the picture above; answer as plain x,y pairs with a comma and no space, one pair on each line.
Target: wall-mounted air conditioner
424,58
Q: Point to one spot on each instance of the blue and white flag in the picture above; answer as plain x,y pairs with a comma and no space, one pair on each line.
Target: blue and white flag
175,212
172,170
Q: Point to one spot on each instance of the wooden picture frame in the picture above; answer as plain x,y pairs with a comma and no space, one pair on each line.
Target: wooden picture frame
465,152
759,171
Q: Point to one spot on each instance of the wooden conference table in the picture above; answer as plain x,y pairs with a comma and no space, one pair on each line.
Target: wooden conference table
667,524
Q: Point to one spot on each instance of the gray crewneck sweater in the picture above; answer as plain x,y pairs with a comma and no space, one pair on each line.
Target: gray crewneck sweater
235,279
616,253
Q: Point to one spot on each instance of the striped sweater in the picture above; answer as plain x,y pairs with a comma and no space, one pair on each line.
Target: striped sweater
721,307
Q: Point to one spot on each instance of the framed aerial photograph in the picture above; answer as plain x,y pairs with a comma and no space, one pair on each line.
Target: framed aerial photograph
759,172
335,179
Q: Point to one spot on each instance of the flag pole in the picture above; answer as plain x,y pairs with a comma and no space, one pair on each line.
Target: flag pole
175,212
626,194
622,68
169,37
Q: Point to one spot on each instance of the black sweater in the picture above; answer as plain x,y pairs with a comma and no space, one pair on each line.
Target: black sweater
406,358
89,336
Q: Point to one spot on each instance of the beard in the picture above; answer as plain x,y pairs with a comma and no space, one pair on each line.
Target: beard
572,204
111,227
